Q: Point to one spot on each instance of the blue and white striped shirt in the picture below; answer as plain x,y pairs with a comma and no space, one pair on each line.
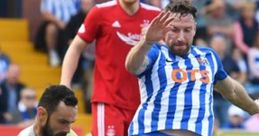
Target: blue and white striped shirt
62,9
176,92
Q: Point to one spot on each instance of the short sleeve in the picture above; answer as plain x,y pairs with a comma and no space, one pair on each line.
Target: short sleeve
90,28
151,58
220,73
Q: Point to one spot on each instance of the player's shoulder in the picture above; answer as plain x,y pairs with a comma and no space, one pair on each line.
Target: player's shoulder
149,7
206,50
158,46
27,132
105,5
99,9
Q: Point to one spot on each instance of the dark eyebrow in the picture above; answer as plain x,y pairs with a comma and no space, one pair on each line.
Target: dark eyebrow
66,121
188,27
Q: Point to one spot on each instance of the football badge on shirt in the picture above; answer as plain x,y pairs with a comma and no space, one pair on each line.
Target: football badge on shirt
202,61
145,23
110,131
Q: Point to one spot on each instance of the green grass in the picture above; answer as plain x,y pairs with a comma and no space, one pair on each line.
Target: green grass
236,133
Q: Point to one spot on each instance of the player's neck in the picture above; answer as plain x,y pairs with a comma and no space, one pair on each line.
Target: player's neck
129,8
36,129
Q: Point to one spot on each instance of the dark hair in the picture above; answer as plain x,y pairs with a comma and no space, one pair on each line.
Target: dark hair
184,7
54,94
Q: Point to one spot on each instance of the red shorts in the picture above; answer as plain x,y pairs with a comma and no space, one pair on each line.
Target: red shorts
109,120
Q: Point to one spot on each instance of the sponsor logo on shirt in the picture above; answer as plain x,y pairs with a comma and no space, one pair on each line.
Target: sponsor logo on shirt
181,75
130,38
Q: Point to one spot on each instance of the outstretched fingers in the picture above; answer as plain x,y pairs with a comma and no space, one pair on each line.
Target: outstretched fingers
157,19
165,17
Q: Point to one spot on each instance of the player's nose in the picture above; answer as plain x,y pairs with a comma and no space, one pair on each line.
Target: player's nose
180,36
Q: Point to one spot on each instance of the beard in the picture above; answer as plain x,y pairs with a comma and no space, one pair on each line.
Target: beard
180,48
48,131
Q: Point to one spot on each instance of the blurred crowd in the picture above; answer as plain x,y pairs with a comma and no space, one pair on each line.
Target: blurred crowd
230,27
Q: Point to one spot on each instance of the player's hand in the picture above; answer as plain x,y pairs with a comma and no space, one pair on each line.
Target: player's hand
158,27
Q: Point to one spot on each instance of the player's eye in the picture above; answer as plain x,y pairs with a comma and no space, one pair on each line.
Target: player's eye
175,30
64,122
187,30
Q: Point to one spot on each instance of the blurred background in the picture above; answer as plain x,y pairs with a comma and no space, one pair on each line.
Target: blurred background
35,34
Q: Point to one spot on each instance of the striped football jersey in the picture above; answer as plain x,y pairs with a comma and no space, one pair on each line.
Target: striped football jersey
176,92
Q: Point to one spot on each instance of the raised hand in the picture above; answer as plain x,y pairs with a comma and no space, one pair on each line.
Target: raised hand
158,27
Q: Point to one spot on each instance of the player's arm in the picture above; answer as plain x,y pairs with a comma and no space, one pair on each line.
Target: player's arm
71,60
136,59
86,34
236,94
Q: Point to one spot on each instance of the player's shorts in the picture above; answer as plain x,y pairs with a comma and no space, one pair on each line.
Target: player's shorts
109,120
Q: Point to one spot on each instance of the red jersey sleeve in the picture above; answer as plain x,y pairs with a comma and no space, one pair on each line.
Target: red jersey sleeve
91,25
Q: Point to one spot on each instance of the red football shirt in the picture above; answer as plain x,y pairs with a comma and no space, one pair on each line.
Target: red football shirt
115,33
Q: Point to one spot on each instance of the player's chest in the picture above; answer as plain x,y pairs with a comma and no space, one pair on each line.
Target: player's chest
127,30
187,70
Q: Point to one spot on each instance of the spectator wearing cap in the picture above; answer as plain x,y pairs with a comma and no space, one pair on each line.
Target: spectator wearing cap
217,20
27,108
236,118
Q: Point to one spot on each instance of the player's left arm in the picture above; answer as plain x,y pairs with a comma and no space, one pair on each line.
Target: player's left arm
236,94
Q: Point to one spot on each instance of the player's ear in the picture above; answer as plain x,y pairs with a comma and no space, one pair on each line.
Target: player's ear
42,115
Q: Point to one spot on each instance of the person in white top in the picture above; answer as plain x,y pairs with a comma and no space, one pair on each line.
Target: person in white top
56,112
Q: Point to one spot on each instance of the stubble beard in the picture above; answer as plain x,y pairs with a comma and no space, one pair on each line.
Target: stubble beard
179,51
46,130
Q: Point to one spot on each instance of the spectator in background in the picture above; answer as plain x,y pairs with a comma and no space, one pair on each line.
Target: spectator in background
251,124
242,65
246,28
27,108
257,11
201,37
253,65
75,22
4,64
220,45
56,111
10,90
71,31
217,20
236,118
83,75
56,13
